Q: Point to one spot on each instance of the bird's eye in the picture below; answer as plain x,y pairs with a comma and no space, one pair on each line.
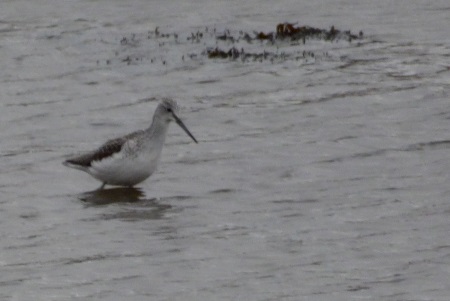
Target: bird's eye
169,110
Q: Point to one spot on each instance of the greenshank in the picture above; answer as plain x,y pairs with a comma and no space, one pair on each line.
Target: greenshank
129,160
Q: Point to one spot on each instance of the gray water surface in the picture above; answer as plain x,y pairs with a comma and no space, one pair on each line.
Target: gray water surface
316,178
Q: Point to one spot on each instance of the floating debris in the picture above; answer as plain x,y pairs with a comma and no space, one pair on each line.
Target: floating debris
284,43
233,53
290,31
284,32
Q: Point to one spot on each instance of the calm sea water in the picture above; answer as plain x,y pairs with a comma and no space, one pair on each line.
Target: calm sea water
318,177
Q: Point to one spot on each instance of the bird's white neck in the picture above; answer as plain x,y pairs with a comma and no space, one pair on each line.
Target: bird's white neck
157,131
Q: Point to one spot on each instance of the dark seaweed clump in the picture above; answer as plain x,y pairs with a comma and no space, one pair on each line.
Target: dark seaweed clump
289,31
284,32
284,43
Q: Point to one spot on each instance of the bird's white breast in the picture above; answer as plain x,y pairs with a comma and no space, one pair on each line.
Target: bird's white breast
126,168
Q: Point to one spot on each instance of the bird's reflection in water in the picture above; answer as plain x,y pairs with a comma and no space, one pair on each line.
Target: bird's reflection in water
113,195
132,204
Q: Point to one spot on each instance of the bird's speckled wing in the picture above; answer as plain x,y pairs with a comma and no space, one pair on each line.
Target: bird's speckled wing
106,150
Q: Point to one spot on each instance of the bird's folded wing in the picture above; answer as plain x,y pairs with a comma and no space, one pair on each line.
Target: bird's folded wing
108,149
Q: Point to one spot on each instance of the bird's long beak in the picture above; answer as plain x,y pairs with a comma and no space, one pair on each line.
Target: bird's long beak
181,124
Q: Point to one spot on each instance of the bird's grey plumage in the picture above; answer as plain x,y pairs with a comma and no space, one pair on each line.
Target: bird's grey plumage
109,148
130,159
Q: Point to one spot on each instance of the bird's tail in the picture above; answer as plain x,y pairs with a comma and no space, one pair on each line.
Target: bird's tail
72,164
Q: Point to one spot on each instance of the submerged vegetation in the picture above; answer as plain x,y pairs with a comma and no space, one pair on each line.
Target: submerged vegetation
287,42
